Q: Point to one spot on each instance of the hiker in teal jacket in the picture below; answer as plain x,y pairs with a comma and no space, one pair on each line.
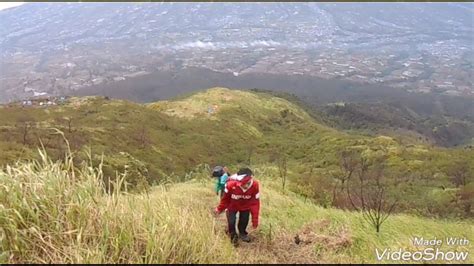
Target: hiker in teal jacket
221,174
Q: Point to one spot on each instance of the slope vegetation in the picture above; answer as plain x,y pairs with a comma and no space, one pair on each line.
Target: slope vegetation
61,213
161,142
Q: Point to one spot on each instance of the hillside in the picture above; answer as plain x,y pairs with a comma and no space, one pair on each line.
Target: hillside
161,142
446,122
437,129
164,132
60,213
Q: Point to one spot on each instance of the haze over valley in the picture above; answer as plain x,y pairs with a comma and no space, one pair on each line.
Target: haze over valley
61,48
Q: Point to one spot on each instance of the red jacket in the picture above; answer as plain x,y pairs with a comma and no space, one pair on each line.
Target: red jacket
236,199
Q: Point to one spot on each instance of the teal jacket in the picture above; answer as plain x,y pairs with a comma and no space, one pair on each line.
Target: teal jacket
220,183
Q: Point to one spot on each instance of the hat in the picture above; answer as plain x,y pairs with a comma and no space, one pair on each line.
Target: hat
243,176
218,171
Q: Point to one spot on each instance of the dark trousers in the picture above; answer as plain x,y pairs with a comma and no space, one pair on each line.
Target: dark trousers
241,224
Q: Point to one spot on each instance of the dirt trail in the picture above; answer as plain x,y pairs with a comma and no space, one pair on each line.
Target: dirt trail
308,245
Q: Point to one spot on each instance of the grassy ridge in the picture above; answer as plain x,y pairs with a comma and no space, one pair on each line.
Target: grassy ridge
161,142
60,213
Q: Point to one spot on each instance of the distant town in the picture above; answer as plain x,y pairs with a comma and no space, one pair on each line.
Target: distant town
449,73
301,39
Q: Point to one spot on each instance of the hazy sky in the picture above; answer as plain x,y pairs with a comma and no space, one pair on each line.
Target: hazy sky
4,5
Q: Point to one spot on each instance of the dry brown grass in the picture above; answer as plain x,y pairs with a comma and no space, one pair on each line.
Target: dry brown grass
299,247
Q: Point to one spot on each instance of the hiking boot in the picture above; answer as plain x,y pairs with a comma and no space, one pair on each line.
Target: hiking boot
245,238
234,240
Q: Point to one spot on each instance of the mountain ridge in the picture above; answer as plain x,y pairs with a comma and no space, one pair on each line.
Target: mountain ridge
162,141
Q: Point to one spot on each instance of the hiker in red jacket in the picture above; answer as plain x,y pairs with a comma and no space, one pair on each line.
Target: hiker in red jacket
241,195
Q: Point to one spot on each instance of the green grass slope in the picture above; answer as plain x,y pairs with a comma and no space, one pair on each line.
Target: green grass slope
60,213
160,142
169,136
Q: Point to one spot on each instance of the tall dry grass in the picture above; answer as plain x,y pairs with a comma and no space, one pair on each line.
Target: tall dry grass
56,212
